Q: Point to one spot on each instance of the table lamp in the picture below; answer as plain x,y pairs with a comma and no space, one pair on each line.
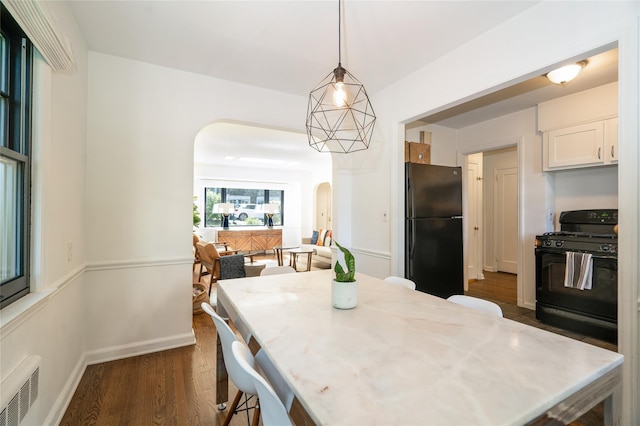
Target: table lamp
270,210
225,209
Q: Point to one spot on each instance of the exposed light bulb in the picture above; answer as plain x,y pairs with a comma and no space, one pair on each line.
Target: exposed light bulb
339,96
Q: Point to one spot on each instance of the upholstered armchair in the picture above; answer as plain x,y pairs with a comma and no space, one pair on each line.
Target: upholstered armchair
220,265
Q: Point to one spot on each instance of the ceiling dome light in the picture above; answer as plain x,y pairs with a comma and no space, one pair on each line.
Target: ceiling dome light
565,74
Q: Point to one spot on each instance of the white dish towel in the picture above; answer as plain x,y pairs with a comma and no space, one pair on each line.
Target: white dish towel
578,271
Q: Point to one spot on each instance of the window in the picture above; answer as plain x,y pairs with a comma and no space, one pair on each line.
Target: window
248,206
15,146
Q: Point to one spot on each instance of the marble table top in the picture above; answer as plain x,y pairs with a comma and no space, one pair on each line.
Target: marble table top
403,357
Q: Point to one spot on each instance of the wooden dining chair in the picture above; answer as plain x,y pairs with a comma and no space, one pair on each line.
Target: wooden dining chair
208,254
403,282
272,410
476,303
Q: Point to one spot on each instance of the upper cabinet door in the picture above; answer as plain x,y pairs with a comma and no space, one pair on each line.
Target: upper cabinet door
611,140
576,146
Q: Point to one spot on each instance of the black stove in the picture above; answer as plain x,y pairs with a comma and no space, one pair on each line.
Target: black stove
588,231
590,311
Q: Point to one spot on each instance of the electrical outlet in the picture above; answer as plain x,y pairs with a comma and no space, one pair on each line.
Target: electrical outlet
69,251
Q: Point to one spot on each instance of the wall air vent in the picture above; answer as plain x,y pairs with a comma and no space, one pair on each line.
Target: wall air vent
18,391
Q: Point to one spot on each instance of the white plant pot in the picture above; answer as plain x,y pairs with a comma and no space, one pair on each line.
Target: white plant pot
344,295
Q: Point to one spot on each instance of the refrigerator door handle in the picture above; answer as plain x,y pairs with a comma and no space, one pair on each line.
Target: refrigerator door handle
410,198
412,241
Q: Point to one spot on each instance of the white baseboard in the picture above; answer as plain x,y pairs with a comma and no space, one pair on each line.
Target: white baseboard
66,394
527,305
125,351
139,348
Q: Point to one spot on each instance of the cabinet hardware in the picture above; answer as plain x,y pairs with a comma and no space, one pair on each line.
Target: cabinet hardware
599,149
612,152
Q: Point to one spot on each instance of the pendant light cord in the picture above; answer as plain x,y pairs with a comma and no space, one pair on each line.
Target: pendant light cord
339,33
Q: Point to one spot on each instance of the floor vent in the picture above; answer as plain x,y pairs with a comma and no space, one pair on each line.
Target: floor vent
19,391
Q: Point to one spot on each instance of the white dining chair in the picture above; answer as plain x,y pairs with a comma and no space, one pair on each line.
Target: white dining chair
227,337
275,270
476,303
272,410
404,282
243,381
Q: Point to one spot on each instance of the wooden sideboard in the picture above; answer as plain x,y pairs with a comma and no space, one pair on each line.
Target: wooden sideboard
255,240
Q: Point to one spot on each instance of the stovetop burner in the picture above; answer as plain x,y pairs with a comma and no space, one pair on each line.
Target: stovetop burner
590,231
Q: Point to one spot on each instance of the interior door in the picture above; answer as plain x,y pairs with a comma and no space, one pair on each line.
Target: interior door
323,206
506,219
474,215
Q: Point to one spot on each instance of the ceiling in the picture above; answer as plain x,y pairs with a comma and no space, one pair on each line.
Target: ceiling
257,147
289,46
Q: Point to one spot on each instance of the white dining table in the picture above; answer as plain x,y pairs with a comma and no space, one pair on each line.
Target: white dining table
403,357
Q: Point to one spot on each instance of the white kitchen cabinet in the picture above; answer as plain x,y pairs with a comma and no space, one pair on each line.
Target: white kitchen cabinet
611,141
586,145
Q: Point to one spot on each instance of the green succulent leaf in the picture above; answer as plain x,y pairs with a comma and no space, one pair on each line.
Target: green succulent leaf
342,275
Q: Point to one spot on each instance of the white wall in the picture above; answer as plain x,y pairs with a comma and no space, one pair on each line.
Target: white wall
49,321
500,57
140,184
505,55
590,188
517,129
443,143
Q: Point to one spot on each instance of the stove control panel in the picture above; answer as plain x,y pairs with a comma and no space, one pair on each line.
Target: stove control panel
602,216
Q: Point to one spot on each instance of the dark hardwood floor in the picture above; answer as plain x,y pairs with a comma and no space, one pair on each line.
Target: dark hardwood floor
173,387
177,386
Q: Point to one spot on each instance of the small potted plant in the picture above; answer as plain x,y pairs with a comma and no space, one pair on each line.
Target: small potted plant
344,287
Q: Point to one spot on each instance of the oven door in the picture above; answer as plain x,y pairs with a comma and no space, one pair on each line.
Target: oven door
599,302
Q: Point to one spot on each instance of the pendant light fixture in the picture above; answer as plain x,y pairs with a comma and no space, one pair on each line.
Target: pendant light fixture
340,117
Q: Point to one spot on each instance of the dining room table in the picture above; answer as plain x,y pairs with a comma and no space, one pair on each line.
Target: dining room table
404,357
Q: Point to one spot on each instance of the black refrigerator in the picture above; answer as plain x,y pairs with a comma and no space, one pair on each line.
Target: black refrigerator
433,228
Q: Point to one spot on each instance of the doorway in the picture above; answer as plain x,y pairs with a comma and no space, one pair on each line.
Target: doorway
323,206
492,204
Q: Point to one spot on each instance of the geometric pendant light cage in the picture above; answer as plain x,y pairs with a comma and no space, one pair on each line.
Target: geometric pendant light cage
340,117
